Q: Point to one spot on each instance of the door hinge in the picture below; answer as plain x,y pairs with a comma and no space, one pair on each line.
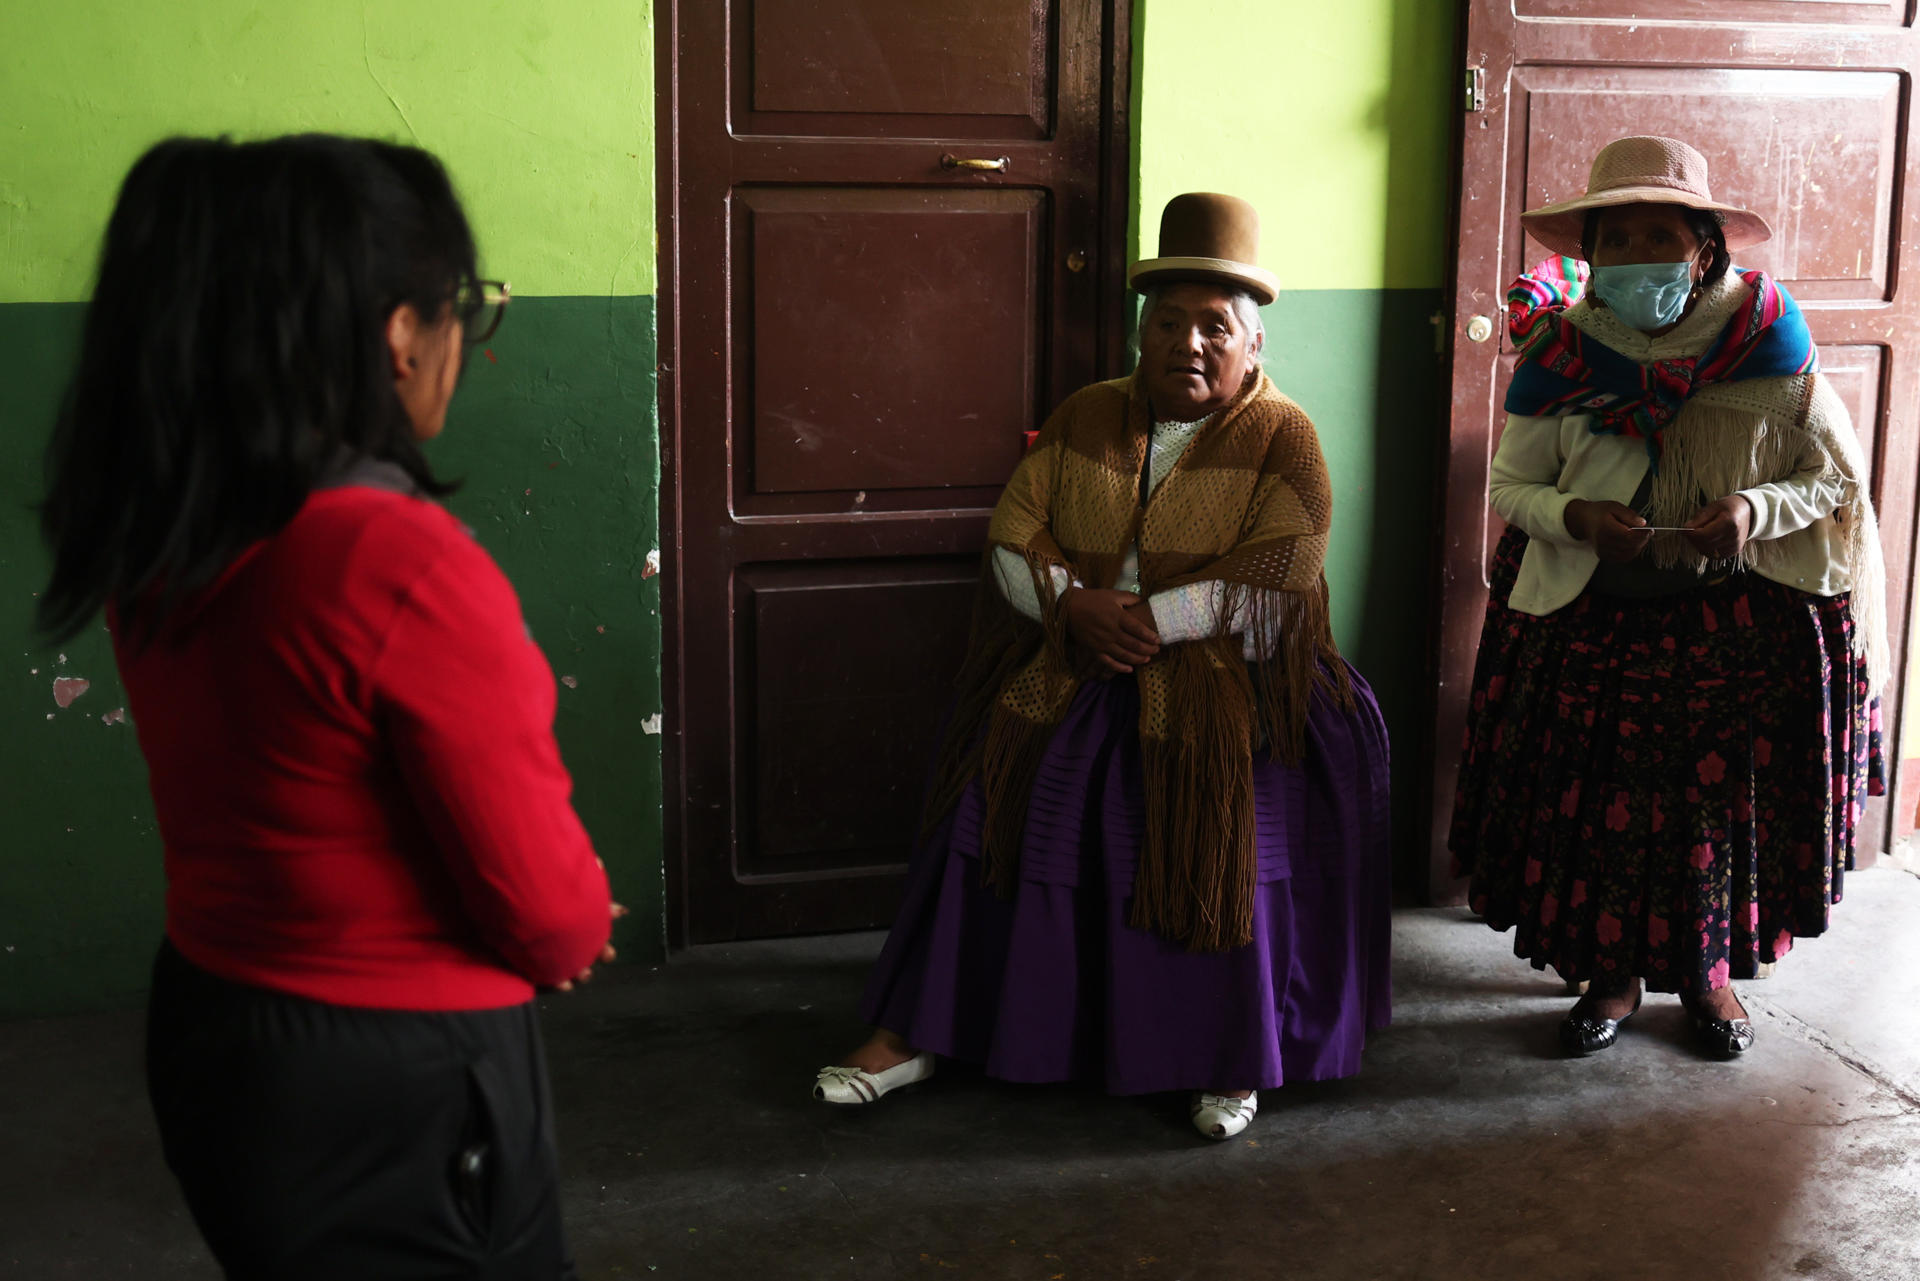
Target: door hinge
1476,89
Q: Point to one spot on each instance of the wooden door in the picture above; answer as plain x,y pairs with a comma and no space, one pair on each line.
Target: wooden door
1804,110
893,239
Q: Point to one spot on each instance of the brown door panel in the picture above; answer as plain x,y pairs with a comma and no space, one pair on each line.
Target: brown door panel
823,707
840,283
882,68
1858,372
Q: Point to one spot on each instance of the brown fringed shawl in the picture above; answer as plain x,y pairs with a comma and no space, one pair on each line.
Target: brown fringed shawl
1248,504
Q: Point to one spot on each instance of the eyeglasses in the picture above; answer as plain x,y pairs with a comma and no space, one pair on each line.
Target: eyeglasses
480,304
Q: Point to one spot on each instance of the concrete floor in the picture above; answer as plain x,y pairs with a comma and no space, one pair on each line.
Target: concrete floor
1467,1148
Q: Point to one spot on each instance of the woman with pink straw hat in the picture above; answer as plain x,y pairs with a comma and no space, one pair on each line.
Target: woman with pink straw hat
1674,724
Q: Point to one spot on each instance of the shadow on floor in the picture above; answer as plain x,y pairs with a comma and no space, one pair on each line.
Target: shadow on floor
1467,1148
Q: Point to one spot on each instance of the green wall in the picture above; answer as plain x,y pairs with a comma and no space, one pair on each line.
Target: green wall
544,113
1339,128
544,116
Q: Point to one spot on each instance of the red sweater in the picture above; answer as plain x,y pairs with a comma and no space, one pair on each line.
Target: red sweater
349,740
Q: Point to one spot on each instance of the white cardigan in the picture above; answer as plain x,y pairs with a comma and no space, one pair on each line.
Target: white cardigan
1544,464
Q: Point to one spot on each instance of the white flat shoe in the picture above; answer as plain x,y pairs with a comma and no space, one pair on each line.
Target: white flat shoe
851,1085
1221,1116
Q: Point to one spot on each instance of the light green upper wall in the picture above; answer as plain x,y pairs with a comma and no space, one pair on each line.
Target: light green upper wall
542,112
1330,115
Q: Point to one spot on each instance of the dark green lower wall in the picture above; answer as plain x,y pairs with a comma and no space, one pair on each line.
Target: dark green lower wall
556,440
1363,364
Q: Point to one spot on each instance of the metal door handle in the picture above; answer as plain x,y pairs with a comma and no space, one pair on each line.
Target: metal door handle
1479,329
997,165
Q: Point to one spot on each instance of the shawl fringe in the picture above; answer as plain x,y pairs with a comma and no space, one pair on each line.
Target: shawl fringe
1293,632
1196,875
1000,645
1716,448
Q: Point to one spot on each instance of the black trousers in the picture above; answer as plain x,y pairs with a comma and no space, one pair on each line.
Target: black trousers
321,1142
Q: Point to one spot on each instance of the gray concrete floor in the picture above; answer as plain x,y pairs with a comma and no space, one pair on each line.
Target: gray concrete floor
1467,1148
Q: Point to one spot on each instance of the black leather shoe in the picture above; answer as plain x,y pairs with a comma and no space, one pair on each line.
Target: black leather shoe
1720,1038
1583,1033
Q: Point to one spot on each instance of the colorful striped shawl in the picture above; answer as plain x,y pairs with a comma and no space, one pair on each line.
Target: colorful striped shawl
1563,371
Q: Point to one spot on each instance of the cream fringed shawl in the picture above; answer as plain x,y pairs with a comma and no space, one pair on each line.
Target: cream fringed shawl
1248,504
1730,437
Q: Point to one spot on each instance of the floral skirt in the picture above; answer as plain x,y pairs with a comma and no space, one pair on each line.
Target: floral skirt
1666,788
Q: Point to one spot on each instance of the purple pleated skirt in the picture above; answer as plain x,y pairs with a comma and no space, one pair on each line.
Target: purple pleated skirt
1054,985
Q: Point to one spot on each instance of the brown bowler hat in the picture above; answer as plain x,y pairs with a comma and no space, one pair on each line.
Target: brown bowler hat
1643,171
1208,237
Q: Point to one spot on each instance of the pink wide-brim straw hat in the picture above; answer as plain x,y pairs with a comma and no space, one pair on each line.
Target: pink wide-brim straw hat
1643,170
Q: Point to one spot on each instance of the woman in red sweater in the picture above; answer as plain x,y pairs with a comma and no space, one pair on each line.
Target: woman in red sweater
372,858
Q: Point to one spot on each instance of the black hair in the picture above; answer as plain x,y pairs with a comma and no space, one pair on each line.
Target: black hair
235,348
1705,226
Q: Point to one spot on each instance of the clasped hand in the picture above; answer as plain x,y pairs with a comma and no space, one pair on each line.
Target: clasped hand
607,954
1116,626
1618,533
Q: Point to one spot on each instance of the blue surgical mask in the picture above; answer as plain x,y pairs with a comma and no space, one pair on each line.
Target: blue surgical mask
1646,295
